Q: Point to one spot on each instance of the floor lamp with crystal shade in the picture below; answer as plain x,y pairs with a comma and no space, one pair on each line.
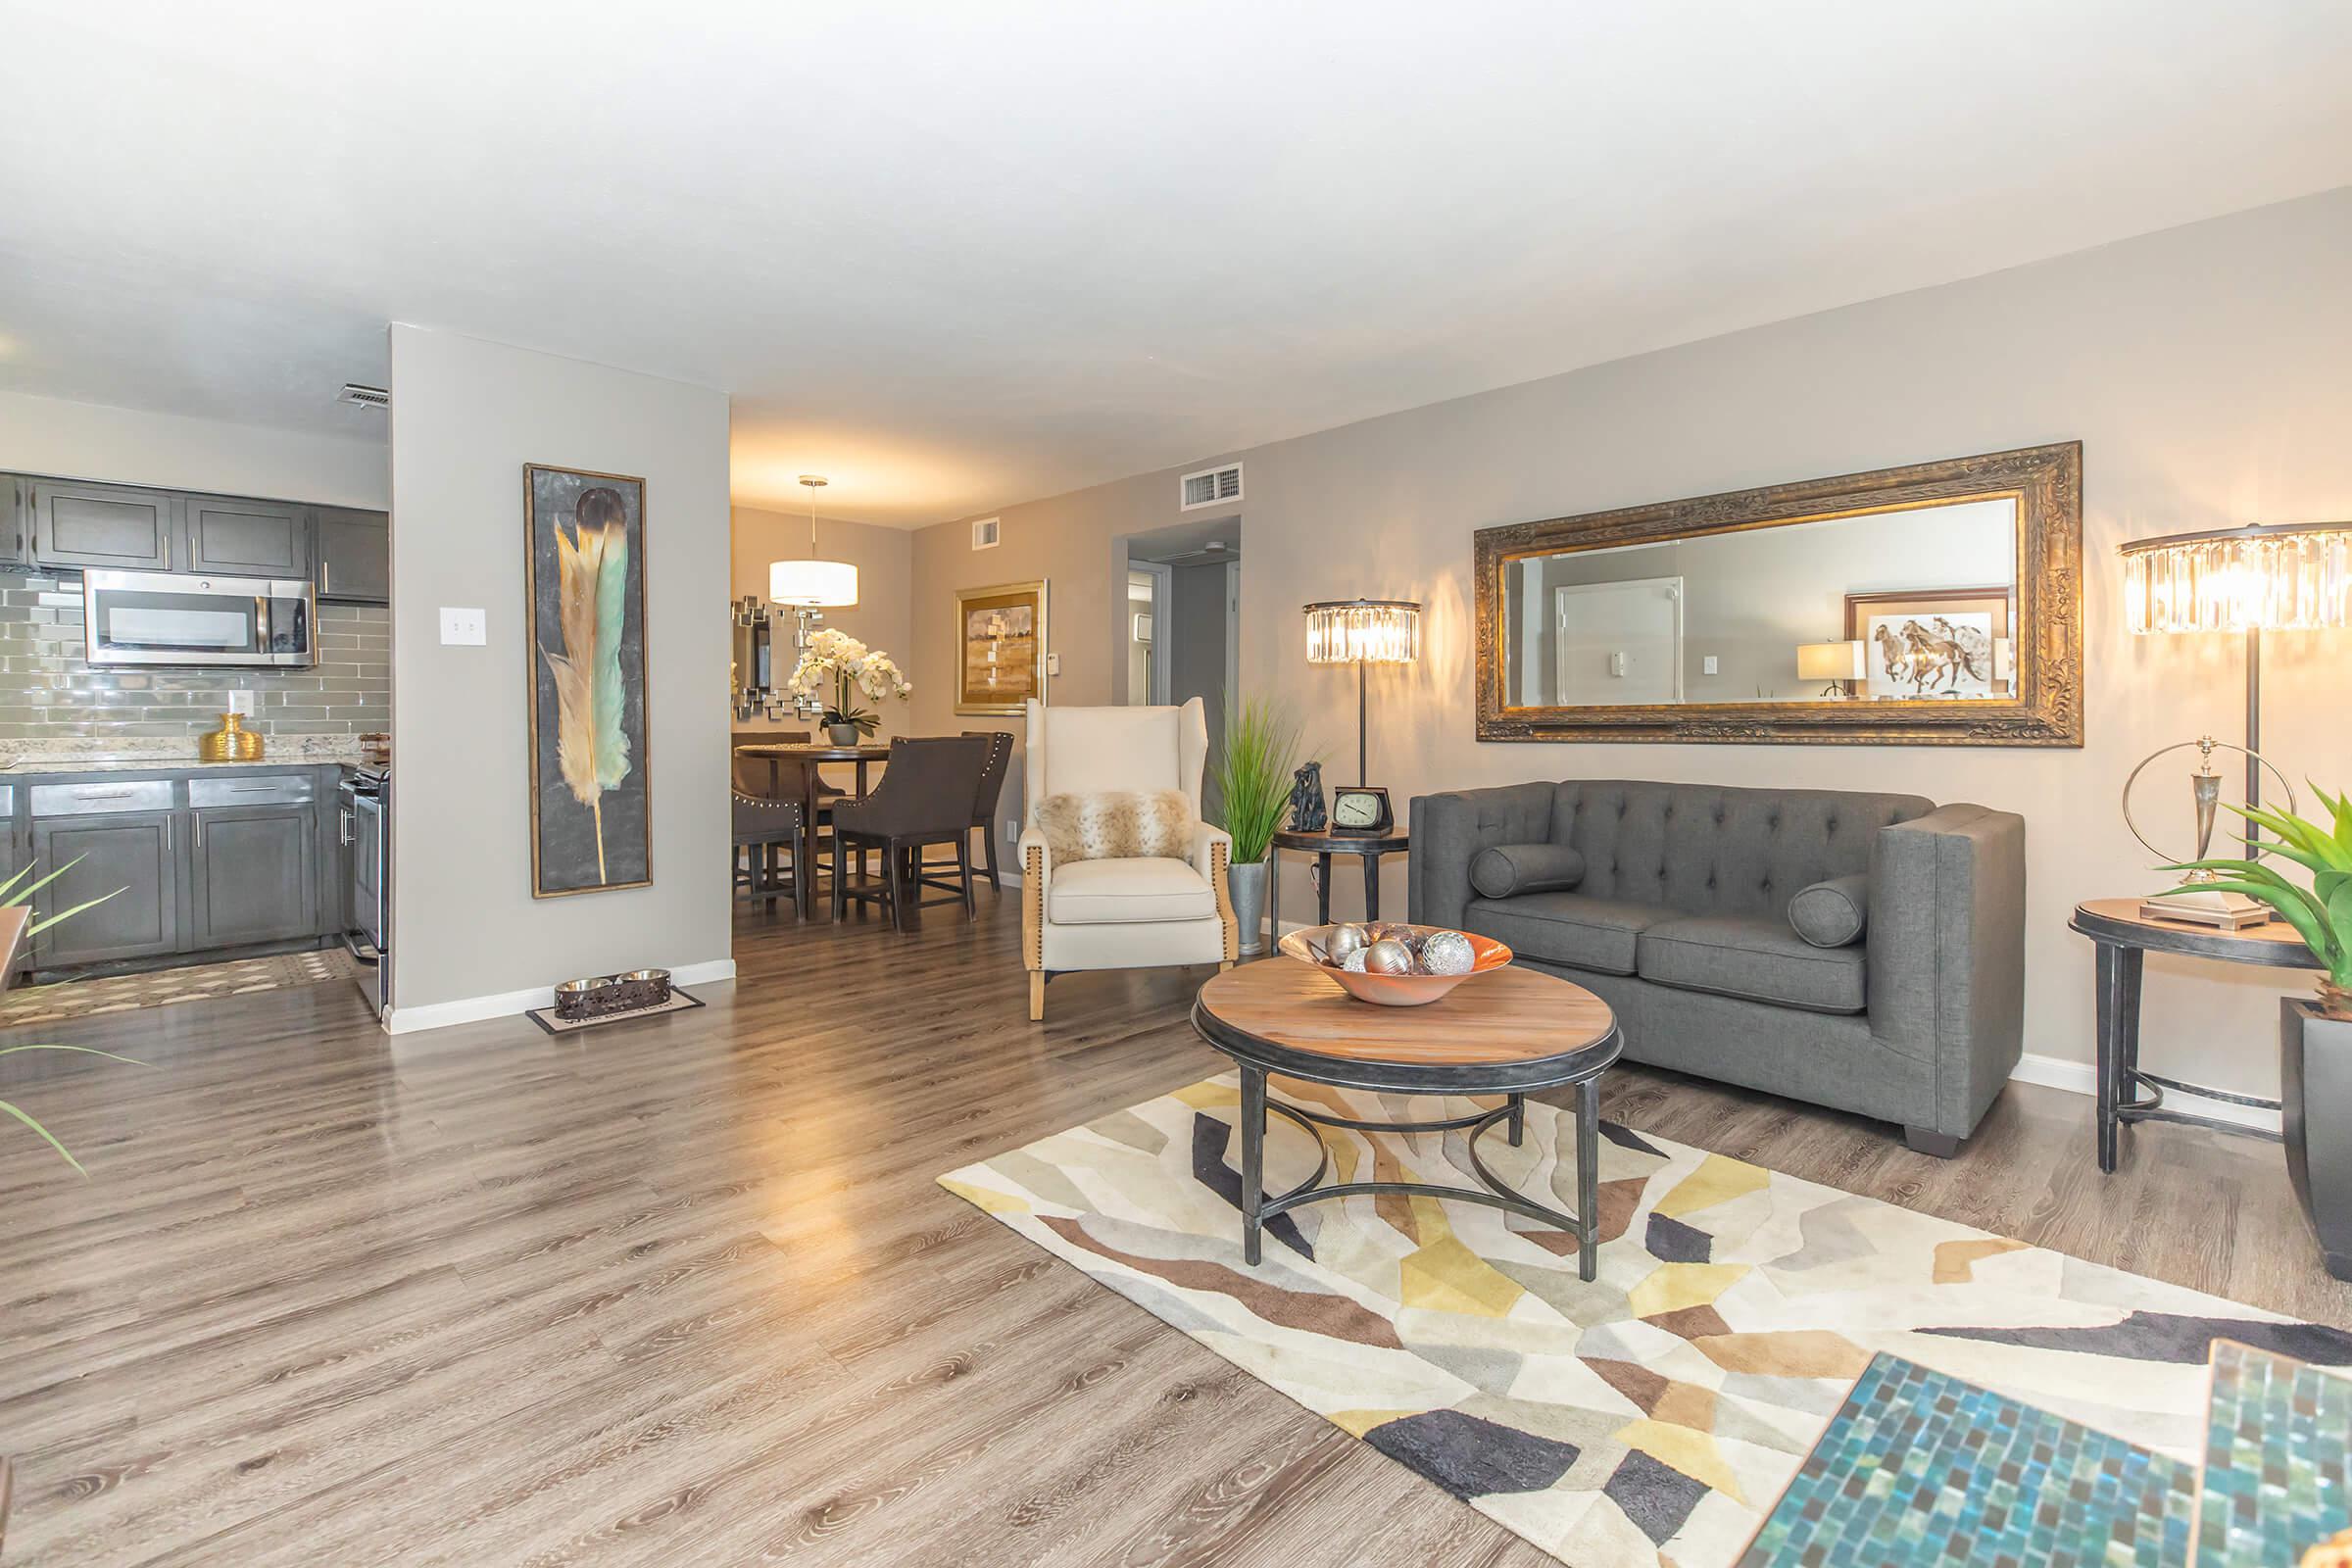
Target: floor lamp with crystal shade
2294,577
1360,632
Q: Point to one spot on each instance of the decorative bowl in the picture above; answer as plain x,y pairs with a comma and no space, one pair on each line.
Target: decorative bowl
1309,943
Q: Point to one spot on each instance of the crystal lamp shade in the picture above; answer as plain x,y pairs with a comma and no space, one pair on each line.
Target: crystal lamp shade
812,584
1374,631
2294,578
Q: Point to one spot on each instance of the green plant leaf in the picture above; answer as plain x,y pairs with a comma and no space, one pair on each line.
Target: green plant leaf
80,1050
1253,772
27,1120
2304,836
39,926
2295,905
10,894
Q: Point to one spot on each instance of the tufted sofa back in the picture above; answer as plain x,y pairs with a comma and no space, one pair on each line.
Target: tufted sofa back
1706,849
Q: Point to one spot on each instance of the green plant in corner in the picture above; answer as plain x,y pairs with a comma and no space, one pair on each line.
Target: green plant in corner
13,893
2321,914
1254,777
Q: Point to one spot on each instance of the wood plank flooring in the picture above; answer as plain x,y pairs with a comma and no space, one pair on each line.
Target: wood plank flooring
684,1292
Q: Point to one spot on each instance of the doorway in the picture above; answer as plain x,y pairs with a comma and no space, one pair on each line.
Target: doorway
1181,629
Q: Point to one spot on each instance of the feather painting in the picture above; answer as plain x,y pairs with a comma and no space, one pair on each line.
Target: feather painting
592,574
589,804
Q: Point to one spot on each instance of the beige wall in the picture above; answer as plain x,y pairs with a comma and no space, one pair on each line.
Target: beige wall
881,616
469,939
2204,370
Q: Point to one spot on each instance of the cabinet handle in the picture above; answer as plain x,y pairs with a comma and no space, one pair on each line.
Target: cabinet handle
343,825
102,795
200,830
166,835
326,576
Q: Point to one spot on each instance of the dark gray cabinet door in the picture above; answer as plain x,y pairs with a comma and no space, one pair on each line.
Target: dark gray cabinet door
102,525
253,875
247,538
355,555
15,519
136,852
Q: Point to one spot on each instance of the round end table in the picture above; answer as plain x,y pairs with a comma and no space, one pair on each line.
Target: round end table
1508,1032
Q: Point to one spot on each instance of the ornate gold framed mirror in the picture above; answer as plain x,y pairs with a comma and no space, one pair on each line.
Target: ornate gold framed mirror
1938,604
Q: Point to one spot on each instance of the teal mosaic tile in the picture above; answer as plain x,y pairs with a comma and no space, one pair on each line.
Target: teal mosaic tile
1919,1467
2277,1459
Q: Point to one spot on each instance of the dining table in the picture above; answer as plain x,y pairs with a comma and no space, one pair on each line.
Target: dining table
809,755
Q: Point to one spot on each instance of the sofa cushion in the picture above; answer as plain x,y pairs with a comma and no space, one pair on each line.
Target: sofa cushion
1123,891
1831,913
1503,870
1752,956
1584,933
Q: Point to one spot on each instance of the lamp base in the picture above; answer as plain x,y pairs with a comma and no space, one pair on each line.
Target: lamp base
2224,911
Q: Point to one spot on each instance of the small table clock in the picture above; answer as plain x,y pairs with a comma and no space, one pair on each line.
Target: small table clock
1360,808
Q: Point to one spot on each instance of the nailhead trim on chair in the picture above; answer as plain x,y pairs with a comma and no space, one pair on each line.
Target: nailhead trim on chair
1033,906
1217,854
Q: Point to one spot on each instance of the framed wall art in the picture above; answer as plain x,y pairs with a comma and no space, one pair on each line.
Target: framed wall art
590,779
1937,642
1000,647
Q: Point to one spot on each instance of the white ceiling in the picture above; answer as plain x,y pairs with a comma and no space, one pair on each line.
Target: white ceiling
960,253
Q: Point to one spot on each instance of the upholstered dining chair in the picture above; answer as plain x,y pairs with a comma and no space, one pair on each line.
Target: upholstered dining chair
1143,913
925,797
762,827
935,873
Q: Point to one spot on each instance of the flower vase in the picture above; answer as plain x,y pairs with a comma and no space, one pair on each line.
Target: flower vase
842,734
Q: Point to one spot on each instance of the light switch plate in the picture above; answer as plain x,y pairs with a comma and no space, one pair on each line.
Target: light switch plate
239,701
463,628
1052,664
1710,665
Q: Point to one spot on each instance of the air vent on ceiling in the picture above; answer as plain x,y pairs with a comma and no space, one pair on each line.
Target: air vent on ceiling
366,397
1212,487
984,532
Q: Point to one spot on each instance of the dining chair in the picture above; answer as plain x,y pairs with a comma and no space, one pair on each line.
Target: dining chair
935,873
925,797
761,826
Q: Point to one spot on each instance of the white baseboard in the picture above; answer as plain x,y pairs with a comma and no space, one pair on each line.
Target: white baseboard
512,1003
2080,1078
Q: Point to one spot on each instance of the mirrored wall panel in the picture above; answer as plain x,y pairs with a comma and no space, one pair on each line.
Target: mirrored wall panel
1938,603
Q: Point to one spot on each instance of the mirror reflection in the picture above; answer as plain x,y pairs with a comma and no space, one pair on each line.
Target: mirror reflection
1915,604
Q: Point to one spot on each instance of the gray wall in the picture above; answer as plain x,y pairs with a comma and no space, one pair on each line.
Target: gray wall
48,689
2204,368
467,415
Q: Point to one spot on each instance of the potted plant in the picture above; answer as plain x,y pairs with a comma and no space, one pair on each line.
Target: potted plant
1253,777
840,667
2315,1034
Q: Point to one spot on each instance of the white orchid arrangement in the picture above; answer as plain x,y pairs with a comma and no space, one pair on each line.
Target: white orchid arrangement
840,661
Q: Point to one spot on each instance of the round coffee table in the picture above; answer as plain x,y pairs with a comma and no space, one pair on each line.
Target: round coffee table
1508,1032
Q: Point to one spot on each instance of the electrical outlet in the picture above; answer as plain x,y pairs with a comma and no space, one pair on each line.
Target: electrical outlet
463,628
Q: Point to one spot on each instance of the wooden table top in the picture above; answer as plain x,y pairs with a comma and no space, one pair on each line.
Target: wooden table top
813,752
1342,843
2119,919
1505,1016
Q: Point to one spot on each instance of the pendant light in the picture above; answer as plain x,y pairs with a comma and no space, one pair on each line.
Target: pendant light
812,583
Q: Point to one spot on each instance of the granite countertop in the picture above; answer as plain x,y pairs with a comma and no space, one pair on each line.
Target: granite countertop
152,765
93,755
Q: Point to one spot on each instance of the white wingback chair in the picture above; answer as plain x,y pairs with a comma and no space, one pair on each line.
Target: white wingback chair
1121,914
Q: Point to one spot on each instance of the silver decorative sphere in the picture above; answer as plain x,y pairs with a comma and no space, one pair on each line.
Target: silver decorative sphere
1446,952
1345,940
1353,963
1387,957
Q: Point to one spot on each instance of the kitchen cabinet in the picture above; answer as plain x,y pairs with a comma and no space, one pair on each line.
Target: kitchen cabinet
15,519
253,875
245,538
135,850
355,555
103,525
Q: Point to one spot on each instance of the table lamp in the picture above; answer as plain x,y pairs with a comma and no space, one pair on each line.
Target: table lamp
1360,632
1839,663
2294,577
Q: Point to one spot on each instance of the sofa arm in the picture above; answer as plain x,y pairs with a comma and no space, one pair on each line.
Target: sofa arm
1946,944
1448,832
1036,865
1213,858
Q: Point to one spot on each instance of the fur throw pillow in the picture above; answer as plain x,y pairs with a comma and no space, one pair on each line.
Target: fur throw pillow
1116,826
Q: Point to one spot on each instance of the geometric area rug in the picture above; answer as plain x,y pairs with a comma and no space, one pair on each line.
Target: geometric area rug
1648,1419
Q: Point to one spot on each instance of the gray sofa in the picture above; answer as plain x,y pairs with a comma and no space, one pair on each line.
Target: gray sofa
1673,902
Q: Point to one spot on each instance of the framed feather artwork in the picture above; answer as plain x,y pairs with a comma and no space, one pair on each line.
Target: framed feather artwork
591,815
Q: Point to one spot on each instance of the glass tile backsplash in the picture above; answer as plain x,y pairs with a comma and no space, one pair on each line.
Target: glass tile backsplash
47,689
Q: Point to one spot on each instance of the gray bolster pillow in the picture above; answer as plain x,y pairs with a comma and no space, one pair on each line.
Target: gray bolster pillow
1831,913
1503,869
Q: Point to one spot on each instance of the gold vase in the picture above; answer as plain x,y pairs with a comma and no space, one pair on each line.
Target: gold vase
232,742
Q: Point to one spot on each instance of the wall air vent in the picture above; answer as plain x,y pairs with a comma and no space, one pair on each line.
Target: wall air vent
366,397
985,532
1212,487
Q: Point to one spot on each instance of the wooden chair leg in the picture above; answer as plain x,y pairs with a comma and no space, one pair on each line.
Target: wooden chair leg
963,869
1037,996
988,846
894,865
841,888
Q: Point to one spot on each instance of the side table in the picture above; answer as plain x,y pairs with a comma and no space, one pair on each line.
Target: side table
1368,847
2125,937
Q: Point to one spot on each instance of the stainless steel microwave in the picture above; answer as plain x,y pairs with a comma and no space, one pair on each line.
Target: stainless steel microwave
162,618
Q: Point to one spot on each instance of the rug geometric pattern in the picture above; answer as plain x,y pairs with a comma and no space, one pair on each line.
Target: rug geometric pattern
1651,1417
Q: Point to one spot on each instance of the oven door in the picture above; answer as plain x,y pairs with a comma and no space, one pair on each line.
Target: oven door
154,617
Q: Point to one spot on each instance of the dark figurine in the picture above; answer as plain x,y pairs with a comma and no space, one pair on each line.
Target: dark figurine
1306,798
